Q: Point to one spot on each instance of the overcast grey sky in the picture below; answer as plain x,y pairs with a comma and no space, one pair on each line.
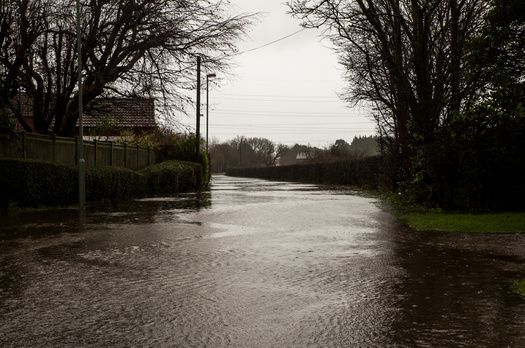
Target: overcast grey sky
285,91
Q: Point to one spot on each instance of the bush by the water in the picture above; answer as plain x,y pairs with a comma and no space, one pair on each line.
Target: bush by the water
29,183
183,149
173,176
113,183
7,126
32,183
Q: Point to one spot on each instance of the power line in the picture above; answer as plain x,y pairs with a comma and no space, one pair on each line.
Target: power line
272,42
240,113
281,100
275,96
295,125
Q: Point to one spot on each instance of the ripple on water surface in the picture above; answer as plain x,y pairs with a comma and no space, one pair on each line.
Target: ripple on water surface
254,264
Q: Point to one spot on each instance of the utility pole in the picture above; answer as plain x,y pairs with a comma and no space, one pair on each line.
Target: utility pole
81,161
208,105
240,153
198,126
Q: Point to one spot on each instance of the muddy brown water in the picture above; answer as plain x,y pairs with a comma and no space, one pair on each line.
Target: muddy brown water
253,264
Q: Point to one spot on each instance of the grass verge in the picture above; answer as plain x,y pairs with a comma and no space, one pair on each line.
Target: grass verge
519,287
420,218
480,223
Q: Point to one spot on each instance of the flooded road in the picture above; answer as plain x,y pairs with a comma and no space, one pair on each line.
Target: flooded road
253,264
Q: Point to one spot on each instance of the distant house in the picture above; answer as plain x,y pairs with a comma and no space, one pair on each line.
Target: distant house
106,118
301,157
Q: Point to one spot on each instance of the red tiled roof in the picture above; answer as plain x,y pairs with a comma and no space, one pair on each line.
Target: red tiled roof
121,112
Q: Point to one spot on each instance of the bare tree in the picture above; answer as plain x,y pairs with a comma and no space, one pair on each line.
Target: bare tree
405,57
129,48
21,26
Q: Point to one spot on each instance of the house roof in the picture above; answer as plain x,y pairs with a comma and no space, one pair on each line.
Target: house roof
121,112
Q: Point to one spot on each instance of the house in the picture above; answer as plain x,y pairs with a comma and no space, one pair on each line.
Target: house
104,119
24,104
302,157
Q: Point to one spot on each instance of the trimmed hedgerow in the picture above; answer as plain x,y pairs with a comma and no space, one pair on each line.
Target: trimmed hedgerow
36,183
113,183
365,172
161,178
174,176
29,183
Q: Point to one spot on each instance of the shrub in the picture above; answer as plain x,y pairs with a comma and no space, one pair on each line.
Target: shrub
192,176
113,183
7,126
175,176
184,150
161,178
29,183
37,183
141,139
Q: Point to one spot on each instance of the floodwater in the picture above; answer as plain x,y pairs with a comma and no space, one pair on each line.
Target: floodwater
253,264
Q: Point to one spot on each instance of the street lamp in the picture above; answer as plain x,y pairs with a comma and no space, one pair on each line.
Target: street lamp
81,161
198,107
208,77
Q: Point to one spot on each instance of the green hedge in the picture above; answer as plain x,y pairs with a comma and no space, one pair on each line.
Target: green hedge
30,183
113,183
33,183
161,178
366,172
174,176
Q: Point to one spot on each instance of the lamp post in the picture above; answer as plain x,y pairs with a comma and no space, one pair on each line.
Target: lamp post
81,161
207,104
198,125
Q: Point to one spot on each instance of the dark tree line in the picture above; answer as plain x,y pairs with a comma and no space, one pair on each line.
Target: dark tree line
129,48
262,152
445,79
247,152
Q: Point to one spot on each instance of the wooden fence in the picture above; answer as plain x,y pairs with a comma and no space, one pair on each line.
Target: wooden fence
65,151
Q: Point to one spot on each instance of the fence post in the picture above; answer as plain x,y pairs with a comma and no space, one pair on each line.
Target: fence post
24,144
54,140
111,155
76,149
96,147
125,155
149,164
138,157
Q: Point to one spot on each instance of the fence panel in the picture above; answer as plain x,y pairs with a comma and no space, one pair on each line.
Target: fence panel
64,150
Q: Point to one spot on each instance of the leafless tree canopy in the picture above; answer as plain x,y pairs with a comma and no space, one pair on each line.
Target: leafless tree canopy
129,48
403,56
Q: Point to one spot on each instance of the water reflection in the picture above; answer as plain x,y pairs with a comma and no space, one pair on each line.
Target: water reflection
137,211
457,290
253,264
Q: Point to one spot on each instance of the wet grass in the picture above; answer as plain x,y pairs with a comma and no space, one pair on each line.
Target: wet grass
453,222
424,219
519,287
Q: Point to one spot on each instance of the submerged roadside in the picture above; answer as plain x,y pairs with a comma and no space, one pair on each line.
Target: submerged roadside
422,219
36,184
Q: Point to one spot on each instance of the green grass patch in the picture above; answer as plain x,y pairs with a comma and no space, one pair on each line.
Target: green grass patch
482,223
519,287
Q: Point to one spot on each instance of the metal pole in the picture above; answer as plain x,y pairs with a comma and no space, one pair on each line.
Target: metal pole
207,108
197,130
81,161
207,105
